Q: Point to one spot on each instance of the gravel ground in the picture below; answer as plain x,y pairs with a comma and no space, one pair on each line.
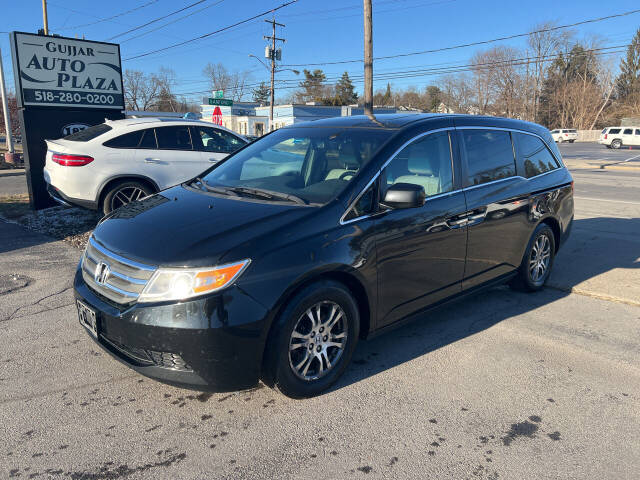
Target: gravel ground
71,224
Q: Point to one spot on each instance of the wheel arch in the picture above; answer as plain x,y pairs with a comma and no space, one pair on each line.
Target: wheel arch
348,279
554,224
119,178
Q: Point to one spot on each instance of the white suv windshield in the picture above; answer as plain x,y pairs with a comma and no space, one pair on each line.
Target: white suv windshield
302,165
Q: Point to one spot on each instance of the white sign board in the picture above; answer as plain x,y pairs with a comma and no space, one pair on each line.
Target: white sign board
66,72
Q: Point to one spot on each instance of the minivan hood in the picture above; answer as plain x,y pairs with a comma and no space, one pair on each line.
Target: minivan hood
184,227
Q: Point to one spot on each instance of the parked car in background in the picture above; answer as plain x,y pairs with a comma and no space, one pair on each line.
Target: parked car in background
274,263
109,165
564,135
618,137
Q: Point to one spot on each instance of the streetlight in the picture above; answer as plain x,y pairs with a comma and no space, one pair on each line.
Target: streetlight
273,71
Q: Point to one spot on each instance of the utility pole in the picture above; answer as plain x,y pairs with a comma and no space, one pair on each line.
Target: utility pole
5,109
368,59
273,56
44,17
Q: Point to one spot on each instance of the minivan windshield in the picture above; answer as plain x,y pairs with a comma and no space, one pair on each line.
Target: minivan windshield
305,165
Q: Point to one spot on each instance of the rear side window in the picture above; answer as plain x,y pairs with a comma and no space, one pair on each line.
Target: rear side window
88,133
128,140
148,140
173,138
571,130
628,131
489,155
637,131
536,158
613,131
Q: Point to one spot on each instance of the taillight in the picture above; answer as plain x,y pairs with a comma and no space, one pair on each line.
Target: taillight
566,134
571,187
605,136
71,160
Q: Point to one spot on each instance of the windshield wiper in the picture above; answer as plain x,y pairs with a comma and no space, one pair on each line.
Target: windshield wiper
256,192
260,192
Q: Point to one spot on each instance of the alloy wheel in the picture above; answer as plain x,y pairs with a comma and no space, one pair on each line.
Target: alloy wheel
318,340
540,258
126,195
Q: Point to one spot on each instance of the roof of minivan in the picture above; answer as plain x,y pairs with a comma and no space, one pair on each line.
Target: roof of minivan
401,120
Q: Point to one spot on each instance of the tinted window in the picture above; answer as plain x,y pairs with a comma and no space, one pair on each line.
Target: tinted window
314,164
88,133
173,138
628,131
148,140
535,156
637,131
555,131
425,162
571,130
211,139
489,155
128,140
604,130
614,130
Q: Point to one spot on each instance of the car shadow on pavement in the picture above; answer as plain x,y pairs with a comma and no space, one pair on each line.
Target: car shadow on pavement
595,247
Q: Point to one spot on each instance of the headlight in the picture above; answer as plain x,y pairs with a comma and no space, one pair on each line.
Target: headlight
183,283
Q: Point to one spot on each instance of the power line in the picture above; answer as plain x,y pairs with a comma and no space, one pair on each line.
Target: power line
109,18
472,44
171,22
199,37
288,84
157,19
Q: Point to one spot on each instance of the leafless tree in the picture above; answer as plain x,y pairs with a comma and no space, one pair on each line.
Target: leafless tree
458,92
233,84
141,90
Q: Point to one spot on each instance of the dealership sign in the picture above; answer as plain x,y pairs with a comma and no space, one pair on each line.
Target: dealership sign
66,72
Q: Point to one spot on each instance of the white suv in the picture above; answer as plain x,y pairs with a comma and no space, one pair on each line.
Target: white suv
564,135
108,165
616,137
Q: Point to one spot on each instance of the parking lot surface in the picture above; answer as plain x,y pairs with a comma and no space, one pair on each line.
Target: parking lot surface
502,385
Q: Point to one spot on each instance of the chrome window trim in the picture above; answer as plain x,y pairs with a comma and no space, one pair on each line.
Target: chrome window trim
384,165
470,127
120,259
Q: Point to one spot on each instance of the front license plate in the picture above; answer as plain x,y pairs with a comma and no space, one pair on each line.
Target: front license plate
87,318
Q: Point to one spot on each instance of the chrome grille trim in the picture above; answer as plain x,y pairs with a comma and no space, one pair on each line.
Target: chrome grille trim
126,280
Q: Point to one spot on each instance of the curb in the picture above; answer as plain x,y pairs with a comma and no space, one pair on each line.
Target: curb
599,296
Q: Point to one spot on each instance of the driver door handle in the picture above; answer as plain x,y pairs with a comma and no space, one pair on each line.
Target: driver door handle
151,160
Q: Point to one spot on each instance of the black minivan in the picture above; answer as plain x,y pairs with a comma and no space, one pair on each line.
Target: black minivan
273,263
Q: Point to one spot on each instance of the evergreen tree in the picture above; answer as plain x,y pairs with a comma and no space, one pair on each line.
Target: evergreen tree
386,100
628,82
261,94
433,98
345,91
313,87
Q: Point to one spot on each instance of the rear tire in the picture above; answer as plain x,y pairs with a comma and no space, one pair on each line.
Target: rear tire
560,140
124,192
571,141
305,357
537,262
616,144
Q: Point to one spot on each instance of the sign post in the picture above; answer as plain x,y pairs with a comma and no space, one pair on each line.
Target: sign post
62,85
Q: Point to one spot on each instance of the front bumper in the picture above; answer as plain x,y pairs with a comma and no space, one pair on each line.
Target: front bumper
214,343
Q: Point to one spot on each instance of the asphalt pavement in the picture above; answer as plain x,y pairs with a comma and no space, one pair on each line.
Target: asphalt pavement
503,385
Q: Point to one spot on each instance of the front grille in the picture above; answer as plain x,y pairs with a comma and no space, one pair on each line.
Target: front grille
124,280
145,357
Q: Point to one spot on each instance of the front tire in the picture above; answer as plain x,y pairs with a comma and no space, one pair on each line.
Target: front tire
124,192
537,262
616,144
313,341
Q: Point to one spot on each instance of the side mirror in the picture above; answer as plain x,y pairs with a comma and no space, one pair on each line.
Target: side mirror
404,195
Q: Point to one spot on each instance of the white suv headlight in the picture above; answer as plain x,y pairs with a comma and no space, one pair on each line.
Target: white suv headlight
183,283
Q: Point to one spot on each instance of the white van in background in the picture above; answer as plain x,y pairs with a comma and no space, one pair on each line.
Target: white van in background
618,137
